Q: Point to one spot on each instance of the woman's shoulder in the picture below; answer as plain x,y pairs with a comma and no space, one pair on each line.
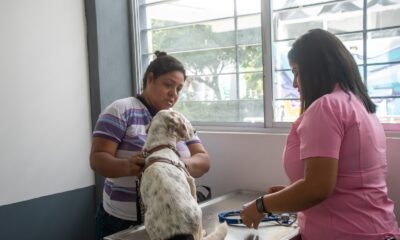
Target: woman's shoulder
337,104
128,107
126,103
336,99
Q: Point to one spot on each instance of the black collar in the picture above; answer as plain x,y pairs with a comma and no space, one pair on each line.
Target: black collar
152,111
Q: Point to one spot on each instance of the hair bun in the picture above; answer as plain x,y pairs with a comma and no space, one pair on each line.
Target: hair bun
160,54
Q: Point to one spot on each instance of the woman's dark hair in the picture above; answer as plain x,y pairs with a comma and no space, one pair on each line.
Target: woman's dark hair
163,63
323,62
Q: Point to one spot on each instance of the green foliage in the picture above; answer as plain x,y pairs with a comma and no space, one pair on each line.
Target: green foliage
207,53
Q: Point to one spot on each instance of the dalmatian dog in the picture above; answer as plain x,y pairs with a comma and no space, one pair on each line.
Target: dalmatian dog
167,190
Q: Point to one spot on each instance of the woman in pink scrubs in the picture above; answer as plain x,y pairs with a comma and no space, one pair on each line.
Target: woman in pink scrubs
335,154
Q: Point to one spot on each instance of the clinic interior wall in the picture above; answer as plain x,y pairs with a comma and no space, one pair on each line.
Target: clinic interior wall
46,184
254,161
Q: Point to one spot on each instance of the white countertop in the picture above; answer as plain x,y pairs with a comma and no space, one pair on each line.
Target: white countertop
228,202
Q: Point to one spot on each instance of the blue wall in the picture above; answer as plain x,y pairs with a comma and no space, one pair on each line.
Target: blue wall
64,216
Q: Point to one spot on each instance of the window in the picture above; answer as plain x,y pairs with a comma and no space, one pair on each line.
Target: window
220,43
235,53
369,29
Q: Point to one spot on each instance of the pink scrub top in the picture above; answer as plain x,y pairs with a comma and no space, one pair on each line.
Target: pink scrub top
337,125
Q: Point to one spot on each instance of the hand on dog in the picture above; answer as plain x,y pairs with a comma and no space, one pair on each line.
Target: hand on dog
136,164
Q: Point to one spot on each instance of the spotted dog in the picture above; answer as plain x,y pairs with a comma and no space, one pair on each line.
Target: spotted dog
167,190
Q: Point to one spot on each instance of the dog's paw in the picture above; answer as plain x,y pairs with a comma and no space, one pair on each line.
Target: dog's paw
219,233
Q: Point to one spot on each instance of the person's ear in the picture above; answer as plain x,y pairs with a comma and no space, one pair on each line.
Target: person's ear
150,78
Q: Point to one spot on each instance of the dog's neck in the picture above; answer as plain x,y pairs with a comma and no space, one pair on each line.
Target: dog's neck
162,139
148,152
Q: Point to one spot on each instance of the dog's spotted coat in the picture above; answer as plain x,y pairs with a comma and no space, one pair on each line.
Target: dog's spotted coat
167,191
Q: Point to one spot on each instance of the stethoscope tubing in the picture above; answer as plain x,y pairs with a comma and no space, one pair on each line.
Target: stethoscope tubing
284,219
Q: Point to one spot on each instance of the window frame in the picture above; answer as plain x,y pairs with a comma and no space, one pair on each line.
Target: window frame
269,125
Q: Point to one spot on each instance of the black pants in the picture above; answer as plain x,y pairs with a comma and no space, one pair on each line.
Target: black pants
107,224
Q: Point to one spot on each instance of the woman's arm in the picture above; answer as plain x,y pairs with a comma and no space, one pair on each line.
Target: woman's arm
276,188
199,162
104,162
319,181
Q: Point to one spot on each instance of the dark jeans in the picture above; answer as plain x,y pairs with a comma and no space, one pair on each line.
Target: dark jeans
107,224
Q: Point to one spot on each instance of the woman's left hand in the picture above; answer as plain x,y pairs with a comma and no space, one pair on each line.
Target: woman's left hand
250,216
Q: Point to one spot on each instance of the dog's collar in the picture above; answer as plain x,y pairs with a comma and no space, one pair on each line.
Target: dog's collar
164,160
147,153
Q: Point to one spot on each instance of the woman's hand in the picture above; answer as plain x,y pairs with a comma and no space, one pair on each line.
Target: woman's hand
250,216
136,164
105,163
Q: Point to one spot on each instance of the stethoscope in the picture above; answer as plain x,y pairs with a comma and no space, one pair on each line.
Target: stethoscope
233,218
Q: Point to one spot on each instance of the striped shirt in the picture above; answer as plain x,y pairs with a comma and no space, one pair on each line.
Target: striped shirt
124,122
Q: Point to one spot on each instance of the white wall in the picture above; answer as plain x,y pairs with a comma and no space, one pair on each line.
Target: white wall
44,97
254,161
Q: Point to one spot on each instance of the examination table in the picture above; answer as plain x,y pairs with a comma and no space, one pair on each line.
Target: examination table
211,209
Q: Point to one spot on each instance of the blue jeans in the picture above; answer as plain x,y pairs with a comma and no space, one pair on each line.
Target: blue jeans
107,224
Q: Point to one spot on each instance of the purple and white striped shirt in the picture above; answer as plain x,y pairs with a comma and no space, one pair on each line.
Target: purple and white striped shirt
124,122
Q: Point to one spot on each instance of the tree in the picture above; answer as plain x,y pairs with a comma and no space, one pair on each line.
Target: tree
211,56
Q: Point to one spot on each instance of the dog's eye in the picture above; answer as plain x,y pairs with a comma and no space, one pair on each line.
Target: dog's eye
194,131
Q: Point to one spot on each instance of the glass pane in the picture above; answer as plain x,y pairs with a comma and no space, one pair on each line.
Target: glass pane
384,80
223,58
386,46
292,23
184,11
198,36
354,43
280,53
215,98
283,86
346,16
248,6
149,1
209,62
383,13
249,30
250,111
250,58
286,110
337,17
201,100
279,4
251,86
210,88
361,70
388,110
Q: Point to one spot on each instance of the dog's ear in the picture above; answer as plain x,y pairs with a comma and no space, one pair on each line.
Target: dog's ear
182,130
